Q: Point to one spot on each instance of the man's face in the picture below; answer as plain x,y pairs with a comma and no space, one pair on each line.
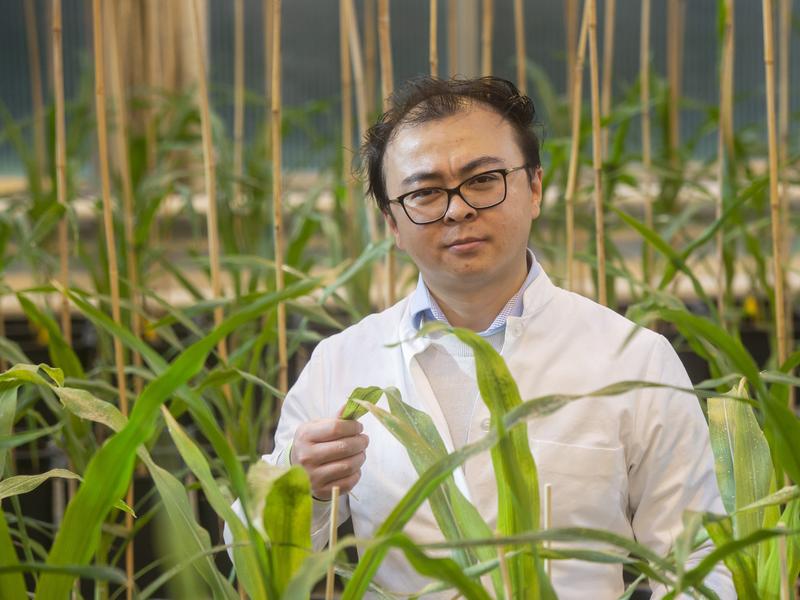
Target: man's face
469,249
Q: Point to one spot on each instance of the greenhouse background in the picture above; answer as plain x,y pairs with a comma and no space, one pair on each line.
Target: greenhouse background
176,238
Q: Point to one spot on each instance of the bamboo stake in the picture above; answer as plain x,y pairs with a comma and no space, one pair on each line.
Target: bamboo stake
519,36
332,532
385,45
675,11
786,584
61,168
238,115
111,249
121,142
644,95
347,120
724,142
36,87
452,37
774,199
784,54
571,27
154,78
277,191
574,153
433,47
361,103
387,86
210,169
597,158
238,97
487,29
267,15
608,65
370,63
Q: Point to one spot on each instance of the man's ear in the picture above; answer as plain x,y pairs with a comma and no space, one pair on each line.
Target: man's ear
536,191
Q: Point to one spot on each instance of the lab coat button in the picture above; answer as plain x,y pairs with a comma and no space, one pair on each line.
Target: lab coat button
485,424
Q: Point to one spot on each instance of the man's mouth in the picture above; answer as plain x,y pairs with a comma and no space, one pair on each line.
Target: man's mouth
465,244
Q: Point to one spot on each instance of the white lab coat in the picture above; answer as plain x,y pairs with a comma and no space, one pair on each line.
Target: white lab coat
630,464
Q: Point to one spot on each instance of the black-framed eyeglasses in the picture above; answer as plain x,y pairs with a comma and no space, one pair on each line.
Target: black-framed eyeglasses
484,190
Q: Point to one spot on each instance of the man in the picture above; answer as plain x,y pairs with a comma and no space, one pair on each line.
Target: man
455,169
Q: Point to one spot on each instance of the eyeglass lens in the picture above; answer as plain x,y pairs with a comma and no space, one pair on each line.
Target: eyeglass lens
482,191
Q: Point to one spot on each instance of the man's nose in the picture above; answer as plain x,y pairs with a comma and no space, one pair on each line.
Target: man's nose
459,210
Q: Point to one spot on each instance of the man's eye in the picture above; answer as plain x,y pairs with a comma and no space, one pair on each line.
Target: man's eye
423,195
484,179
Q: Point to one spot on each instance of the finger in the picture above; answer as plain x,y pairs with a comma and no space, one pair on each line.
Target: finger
327,430
330,472
328,452
345,486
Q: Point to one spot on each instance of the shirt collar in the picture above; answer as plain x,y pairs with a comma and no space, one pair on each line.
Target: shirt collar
423,307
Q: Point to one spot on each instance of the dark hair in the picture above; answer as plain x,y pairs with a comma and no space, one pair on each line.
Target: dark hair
426,99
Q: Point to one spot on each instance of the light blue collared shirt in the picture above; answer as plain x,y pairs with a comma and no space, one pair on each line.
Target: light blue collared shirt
423,307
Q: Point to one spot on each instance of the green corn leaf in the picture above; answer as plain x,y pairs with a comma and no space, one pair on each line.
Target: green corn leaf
188,533
108,473
769,567
19,439
11,583
8,409
181,565
782,427
246,559
436,474
456,516
96,572
354,409
444,569
655,240
287,523
741,565
742,458
61,353
782,496
82,404
370,254
515,469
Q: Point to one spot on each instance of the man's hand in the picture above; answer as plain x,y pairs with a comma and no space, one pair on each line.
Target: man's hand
332,452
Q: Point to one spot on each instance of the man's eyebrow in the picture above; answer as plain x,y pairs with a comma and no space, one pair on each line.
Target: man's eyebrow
481,161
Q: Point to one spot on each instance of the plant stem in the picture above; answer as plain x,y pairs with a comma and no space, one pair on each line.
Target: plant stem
277,193
108,223
61,167
644,95
774,198
519,37
433,37
597,158
487,29
35,65
608,65
574,153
